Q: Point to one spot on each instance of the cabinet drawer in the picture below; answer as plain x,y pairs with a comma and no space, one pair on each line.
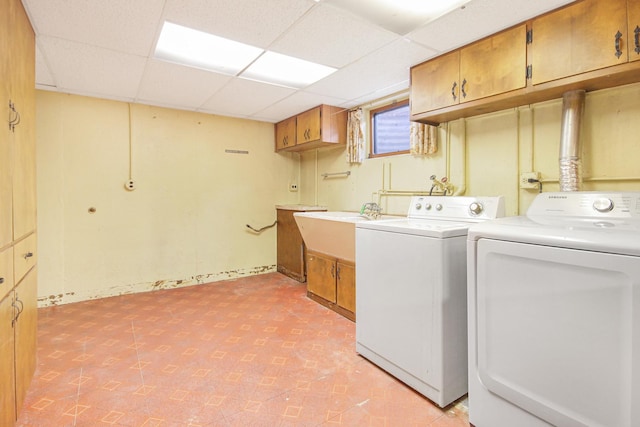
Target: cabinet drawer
6,272
24,256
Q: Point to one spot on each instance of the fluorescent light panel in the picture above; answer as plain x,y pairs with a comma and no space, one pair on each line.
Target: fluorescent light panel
198,49
399,16
193,48
286,70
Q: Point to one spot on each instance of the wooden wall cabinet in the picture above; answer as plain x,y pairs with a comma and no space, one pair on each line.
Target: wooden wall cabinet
633,29
18,283
322,126
587,45
286,134
578,39
488,67
331,282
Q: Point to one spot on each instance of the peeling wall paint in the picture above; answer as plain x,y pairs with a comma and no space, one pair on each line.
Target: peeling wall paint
201,279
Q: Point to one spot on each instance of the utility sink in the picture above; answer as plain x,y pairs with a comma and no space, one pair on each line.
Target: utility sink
333,232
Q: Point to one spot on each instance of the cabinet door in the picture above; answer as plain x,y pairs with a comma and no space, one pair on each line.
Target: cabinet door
321,276
6,272
23,96
494,65
25,335
434,84
286,133
7,378
308,127
633,28
578,39
6,153
346,286
290,246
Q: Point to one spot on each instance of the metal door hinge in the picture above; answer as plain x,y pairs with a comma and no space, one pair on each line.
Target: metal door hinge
529,72
530,36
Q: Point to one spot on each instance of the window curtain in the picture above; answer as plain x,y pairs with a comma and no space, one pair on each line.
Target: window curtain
355,137
423,139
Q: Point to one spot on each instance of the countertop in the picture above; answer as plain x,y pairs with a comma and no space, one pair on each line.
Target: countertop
301,208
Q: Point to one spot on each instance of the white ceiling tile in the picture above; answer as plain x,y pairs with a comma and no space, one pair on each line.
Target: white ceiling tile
330,36
43,74
377,71
294,104
254,22
244,98
165,83
80,68
122,25
479,19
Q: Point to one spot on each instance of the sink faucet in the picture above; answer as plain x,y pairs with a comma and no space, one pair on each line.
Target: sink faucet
371,210
440,185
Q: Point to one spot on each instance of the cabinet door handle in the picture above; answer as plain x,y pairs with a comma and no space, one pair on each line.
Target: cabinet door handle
18,310
28,255
636,33
453,90
338,273
1,280
464,93
333,271
618,50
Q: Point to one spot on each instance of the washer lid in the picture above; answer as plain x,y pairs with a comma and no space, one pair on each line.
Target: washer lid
419,227
610,235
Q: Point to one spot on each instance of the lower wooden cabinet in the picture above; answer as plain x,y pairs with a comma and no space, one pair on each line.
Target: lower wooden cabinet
25,327
7,375
331,282
18,318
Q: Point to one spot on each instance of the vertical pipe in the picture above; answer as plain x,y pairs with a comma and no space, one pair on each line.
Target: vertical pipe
570,163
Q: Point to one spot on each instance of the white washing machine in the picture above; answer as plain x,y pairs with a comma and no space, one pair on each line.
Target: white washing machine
411,292
554,314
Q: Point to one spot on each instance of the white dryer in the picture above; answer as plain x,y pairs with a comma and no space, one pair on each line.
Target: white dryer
411,292
554,314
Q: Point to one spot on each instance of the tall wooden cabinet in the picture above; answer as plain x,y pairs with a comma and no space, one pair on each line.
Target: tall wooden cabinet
18,245
291,248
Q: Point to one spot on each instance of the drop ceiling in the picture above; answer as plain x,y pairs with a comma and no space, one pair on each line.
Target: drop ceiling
105,49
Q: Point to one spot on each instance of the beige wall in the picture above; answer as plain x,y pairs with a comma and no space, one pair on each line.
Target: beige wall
485,155
185,223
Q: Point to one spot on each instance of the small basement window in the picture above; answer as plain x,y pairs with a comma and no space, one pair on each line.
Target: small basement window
390,129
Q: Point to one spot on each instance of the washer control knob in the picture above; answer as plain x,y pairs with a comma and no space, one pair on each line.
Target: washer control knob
603,205
428,206
438,207
418,206
475,208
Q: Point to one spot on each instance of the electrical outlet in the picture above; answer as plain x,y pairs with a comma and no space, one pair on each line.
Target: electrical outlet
529,180
293,187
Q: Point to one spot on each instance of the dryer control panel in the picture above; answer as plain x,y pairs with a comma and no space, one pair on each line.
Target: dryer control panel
590,204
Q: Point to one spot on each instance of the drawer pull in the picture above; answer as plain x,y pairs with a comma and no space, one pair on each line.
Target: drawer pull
28,255
636,33
1,280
